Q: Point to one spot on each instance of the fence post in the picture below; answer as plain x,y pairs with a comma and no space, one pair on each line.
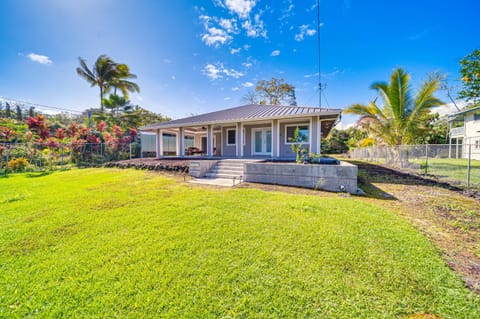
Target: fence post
468,166
130,150
426,159
62,155
6,159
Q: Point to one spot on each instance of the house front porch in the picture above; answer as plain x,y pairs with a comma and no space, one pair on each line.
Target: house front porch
249,139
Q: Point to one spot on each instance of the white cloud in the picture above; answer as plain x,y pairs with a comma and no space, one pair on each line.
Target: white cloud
173,77
235,88
42,59
247,64
235,51
255,29
227,98
310,75
215,37
229,25
211,71
167,61
247,84
240,7
327,75
343,125
304,30
288,12
246,47
449,108
275,53
217,71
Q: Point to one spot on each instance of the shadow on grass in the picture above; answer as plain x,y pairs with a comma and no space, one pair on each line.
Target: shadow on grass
369,173
38,174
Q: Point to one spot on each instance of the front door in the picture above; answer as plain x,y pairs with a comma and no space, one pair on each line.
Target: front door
262,141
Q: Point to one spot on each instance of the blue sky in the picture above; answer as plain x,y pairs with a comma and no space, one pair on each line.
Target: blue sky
198,56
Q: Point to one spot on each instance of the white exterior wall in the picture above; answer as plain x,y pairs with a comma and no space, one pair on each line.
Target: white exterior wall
472,136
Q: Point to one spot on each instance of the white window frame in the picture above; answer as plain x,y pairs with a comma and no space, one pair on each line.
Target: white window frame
231,129
287,142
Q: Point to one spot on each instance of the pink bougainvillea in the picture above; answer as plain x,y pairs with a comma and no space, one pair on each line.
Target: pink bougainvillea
72,130
101,126
51,143
60,134
84,131
6,134
132,132
117,131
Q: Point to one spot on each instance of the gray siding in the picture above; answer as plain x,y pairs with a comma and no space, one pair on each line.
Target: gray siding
286,149
228,150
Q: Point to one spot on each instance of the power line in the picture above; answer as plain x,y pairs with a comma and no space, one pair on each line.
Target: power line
39,106
319,57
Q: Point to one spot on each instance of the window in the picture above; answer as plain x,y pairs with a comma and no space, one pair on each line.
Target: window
303,134
476,117
189,141
231,136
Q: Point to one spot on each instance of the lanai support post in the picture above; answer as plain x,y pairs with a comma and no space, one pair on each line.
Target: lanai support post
180,143
238,140
159,143
209,141
275,139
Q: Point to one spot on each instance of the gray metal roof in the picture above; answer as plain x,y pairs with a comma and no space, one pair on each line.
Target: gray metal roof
453,116
244,113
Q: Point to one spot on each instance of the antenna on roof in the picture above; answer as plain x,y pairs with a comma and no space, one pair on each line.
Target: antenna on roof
321,86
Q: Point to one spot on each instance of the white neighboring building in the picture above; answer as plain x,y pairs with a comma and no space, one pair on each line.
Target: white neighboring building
468,135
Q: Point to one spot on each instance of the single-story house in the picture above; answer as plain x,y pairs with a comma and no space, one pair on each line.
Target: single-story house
249,131
465,129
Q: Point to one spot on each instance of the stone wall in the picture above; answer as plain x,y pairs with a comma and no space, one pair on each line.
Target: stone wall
334,178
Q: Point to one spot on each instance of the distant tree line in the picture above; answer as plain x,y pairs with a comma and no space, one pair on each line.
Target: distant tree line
15,111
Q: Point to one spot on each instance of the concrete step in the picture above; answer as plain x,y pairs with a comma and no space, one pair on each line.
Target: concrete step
234,165
226,170
227,176
215,181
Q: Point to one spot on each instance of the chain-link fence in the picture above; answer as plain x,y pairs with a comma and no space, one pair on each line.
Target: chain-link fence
21,157
457,164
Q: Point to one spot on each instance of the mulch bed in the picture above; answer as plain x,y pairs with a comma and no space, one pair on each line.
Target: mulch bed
153,164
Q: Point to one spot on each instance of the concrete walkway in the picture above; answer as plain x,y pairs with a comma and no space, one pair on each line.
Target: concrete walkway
215,181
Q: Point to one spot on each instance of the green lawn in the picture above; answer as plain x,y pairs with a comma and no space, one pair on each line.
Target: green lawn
453,169
133,244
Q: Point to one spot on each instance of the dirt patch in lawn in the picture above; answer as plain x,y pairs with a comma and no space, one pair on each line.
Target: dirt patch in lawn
153,164
447,215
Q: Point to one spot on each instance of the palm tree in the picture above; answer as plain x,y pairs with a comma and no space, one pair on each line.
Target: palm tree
117,105
121,81
102,74
402,118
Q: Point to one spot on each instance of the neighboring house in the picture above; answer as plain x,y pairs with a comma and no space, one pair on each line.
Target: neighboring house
467,135
246,131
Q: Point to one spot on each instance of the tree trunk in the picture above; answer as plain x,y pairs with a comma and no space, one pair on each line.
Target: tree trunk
101,99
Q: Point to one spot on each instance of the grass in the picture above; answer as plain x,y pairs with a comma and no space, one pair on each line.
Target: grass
453,169
126,243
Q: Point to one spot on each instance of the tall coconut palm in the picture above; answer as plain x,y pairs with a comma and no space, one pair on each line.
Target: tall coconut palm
402,117
102,74
121,80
